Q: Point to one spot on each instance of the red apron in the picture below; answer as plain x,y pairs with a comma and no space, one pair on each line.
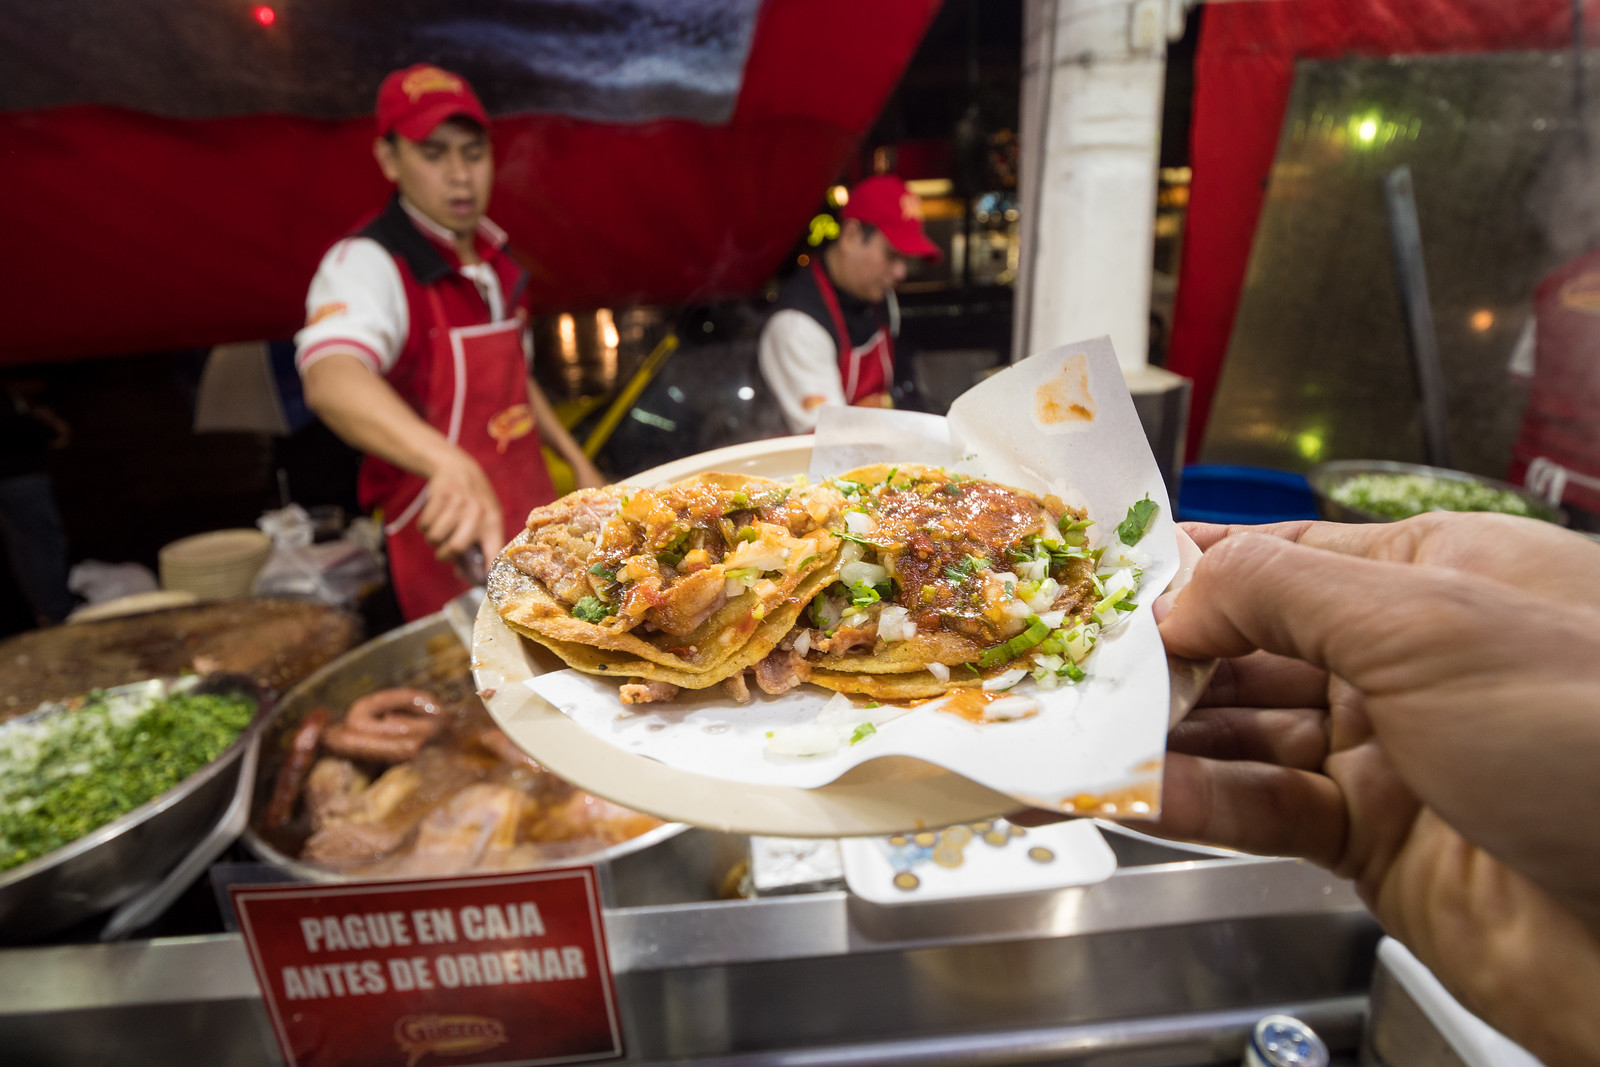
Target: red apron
477,396
1557,452
866,373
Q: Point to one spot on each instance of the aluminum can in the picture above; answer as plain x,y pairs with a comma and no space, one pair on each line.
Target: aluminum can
1284,1041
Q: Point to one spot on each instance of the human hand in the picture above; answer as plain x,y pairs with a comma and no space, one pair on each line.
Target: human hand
1417,707
461,509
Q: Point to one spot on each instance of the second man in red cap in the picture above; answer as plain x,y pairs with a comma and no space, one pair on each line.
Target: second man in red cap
831,338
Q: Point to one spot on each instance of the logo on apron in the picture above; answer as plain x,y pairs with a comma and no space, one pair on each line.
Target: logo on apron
514,422
326,311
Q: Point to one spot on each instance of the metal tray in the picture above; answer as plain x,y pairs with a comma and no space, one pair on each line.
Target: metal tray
385,661
1325,477
112,864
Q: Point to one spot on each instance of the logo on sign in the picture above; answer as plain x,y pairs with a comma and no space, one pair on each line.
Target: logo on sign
447,1035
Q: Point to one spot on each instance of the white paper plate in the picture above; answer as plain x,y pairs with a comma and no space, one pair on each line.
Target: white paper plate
882,796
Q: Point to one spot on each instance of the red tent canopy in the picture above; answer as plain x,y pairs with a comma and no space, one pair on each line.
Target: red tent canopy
136,232
1244,71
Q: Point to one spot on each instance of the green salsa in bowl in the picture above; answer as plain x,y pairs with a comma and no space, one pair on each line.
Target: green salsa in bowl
1384,491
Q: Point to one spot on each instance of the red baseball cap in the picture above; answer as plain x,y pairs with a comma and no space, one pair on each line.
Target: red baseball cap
413,101
885,202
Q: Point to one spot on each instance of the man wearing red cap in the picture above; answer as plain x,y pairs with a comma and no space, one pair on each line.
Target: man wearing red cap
831,339
415,348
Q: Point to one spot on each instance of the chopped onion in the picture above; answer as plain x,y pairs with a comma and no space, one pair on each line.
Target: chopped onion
761,555
1121,579
871,573
1007,708
1002,682
1118,555
733,587
804,739
851,552
1046,595
802,643
840,710
1080,640
1053,619
858,523
1034,570
895,624
939,671
829,612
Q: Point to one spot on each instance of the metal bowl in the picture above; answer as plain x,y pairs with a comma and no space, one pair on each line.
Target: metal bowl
112,864
1325,477
391,659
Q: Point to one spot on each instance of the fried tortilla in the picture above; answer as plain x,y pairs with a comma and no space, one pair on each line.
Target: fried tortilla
943,570
895,583
907,685
679,579
747,646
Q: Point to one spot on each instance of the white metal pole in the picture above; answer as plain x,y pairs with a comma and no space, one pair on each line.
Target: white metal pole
1093,75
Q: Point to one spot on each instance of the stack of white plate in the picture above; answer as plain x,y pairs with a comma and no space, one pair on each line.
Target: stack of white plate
216,565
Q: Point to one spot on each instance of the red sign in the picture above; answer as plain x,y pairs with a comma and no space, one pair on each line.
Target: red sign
506,969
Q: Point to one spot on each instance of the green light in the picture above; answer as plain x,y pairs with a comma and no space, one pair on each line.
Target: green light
1309,444
1368,130
823,228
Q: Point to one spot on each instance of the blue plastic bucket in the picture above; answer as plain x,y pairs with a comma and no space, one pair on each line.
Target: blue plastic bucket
1221,493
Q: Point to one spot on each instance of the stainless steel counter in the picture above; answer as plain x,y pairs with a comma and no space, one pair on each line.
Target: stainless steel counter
1165,963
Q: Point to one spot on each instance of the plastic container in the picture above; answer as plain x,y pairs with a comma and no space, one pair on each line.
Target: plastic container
1243,495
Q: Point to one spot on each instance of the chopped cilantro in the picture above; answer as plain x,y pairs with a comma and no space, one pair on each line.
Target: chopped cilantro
847,536
592,609
862,594
749,533
600,570
864,731
847,487
66,774
1138,521
803,563
1074,531
950,489
966,567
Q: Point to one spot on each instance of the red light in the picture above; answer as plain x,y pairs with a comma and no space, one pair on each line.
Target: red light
264,15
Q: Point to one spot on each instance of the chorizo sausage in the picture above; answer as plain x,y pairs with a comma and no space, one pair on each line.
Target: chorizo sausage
396,713
389,726
296,765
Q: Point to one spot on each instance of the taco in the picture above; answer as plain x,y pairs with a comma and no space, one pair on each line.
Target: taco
942,581
672,581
